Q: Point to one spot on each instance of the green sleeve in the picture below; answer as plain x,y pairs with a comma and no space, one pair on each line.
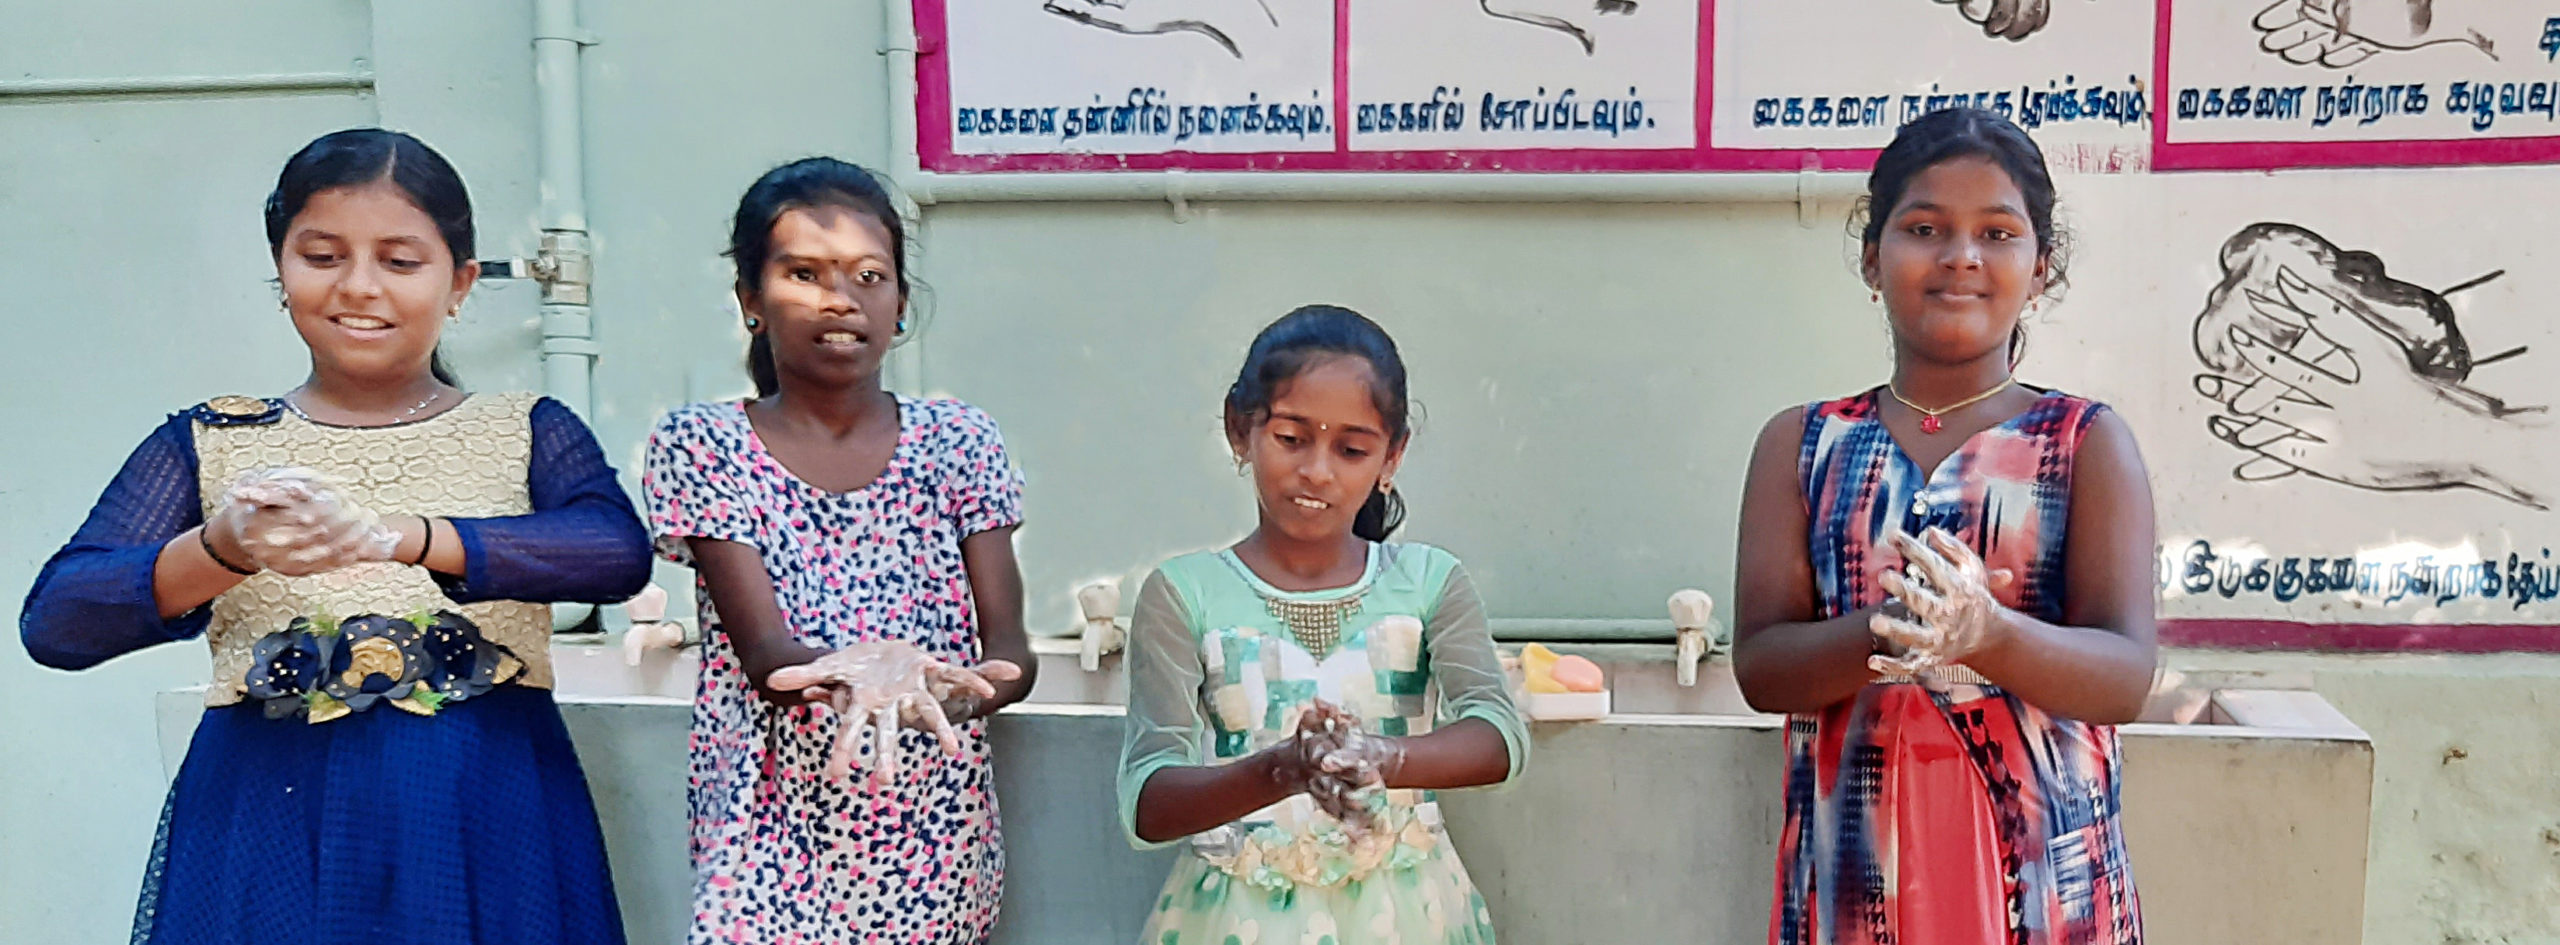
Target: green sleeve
1166,726
1468,670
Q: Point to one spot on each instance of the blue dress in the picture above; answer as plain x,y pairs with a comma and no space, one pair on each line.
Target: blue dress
468,822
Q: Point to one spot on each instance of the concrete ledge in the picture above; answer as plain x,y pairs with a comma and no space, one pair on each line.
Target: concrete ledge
1641,828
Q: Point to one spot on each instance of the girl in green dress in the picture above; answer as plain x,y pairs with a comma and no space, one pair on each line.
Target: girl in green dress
1245,666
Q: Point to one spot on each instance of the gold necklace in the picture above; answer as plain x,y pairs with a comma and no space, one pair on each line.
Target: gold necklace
289,404
1929,422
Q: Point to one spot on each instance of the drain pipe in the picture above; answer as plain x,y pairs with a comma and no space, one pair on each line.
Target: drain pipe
899,46
563,267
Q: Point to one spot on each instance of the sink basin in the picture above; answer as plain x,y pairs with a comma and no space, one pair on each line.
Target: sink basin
2247,801
1642,682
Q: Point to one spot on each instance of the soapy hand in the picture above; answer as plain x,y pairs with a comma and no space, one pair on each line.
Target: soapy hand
295,522
1337,765
1954,613
889,685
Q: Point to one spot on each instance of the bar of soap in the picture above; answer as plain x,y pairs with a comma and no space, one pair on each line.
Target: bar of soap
1576,674
1537,669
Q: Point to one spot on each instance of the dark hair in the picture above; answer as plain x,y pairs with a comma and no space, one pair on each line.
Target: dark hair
1309,336
1949,134
360,156
804,184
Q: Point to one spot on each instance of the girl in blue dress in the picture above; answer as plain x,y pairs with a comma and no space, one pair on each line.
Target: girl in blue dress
371,557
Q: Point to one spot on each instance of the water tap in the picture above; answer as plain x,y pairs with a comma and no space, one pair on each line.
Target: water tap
1099,603
649,625
1693,616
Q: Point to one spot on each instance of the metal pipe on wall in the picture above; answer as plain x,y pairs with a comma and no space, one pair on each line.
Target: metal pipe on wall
568,327
563,265
189,85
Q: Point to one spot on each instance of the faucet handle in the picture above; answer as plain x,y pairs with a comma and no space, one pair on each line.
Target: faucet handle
649,606
1099,600
1692,609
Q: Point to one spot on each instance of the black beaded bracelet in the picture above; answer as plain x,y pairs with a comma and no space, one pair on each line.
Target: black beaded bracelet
205,538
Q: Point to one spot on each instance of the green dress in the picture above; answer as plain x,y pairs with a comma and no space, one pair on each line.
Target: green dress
1216,673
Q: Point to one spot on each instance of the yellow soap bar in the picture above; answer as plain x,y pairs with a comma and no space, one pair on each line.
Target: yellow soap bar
1537,669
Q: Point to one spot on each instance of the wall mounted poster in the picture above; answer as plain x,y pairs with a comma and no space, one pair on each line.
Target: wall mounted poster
2376,82
2107,86
1842,75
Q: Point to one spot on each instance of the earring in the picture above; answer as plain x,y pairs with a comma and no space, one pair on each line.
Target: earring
1875,298
753,324
454,312
1241,466
1386,487
902,326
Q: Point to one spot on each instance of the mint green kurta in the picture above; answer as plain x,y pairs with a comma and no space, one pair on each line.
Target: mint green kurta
1215,675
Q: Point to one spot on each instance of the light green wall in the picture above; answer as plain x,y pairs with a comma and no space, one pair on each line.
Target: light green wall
1590,377
1591,374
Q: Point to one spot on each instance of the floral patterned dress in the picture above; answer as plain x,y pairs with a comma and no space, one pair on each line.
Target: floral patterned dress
782,853
1220,667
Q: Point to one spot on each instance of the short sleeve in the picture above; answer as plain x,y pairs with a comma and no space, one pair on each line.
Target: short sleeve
694,484
1166,726
982,490
1467,669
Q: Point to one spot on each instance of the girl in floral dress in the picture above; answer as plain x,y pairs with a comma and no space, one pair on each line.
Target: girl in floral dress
829,514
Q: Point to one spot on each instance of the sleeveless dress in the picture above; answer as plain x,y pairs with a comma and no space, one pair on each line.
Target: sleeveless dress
380,758
1944,809
1219,668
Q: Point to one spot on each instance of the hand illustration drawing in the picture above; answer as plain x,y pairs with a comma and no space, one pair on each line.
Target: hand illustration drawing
2012,20
1234,25
1570,17
2326,366
2336,34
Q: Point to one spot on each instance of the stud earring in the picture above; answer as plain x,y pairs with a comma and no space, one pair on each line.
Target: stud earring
753,324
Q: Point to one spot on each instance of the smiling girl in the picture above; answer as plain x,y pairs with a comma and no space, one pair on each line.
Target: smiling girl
1952,665
368,555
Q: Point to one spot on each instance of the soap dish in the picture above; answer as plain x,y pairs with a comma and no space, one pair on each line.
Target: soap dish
1568,706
